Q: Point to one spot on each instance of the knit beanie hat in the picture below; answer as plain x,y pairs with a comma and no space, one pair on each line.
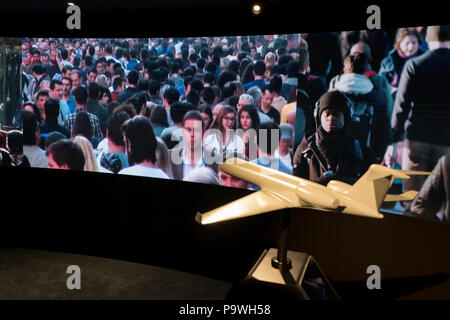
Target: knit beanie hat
334,99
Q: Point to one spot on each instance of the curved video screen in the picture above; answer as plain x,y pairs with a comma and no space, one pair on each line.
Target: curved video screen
170,108
320,106
383,99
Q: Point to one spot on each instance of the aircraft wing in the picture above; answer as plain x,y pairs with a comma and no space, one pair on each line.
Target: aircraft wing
253,204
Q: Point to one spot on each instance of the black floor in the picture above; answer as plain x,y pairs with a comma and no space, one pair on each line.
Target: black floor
35,274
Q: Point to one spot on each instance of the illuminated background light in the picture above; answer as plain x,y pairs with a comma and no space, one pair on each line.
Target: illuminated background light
256,8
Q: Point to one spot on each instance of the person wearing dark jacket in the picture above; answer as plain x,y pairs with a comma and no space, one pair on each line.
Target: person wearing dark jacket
311,84
331,153
96,108
15,156
310,89
376,39
434,195
407,46
133,79
51,122
422,107
324,48
375,92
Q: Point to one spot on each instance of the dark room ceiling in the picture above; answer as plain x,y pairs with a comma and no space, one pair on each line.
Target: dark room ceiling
58,5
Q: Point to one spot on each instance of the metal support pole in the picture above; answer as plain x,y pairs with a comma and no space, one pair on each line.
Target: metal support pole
281,261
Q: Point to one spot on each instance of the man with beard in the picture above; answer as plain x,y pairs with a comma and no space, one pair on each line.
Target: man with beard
35,59
91,75
140,145
76,78
41,97
67,95
35,84
56,92
54,65
331,153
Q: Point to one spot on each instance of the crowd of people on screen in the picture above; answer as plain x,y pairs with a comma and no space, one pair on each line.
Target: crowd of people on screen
165,108
321,106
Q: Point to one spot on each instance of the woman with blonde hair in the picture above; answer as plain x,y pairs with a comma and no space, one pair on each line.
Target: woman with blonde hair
270,59
162,157
90,163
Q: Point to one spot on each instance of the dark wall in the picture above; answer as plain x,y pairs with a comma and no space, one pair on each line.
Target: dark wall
412,253
180,18
131,218
152,221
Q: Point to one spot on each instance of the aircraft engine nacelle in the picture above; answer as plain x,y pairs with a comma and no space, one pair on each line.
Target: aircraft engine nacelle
317,196
339,186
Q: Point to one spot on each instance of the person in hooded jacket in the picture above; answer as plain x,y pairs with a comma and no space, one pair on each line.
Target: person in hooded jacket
331,153
373,90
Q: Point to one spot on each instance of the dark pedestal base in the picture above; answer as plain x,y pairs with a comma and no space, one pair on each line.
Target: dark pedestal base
303,281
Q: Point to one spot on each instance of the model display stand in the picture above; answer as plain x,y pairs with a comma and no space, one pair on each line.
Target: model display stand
298,274
289,274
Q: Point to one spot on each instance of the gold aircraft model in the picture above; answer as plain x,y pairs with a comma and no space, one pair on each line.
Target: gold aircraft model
290,271
280,190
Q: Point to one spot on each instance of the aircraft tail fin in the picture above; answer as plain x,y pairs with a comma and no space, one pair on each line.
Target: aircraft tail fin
371,189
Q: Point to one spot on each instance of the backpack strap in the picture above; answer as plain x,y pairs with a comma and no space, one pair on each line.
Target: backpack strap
338,77
358,150
314,150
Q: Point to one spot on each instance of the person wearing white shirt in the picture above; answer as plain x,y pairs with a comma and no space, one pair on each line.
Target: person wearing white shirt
190,164
112,148
234,144
284,151
266,147
189,155
102,148
144,170
31,139
141,149
278,101
109,54
223,138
